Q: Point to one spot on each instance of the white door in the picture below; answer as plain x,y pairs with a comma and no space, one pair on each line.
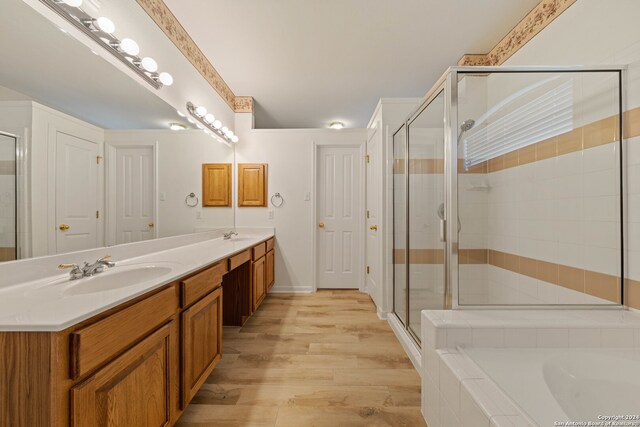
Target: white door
134,194
76,193
374,222
339,210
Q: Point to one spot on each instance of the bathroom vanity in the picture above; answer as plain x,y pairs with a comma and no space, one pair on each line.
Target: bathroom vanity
139,362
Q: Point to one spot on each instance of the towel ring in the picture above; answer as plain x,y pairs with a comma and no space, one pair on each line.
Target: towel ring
279,200
189,200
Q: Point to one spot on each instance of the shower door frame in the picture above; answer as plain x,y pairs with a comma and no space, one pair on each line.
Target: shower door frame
16,187
448,83
442,86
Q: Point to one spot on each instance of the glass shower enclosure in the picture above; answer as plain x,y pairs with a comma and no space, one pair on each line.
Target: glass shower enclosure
508,192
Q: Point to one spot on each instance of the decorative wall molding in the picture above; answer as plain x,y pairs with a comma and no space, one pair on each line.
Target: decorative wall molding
541,16
169,24
243,104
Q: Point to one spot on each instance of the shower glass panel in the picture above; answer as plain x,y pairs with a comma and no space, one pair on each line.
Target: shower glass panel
539,187
8,228
426,210
400,225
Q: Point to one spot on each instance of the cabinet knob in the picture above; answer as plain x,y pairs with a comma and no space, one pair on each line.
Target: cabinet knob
321,225
63,227
374,228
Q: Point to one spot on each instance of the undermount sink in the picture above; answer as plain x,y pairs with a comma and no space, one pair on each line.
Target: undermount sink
116,280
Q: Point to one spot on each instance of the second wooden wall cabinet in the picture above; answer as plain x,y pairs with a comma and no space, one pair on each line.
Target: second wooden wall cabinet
252,184
216,185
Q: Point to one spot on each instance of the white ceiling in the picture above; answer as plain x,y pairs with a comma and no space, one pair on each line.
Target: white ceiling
309,62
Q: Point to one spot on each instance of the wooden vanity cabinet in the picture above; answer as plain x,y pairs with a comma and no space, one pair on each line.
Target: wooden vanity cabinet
258,282
201,342
270,269
132,390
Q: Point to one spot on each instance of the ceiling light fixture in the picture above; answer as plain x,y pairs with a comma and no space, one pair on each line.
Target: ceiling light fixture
177,126
100,30
336,125
210,125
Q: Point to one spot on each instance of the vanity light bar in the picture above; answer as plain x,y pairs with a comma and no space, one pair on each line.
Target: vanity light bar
101,30
210,125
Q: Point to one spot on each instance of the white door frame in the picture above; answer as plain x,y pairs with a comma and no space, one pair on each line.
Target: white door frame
377,132
361,220
110,179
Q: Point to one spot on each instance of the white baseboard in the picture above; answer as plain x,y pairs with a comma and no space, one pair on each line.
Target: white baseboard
382,315
292,289
407,342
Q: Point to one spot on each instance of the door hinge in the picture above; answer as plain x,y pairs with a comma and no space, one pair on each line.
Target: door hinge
97,214
367,158
368,269
98,159
368,215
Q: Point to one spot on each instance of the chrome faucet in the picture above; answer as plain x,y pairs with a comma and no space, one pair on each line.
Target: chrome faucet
87,270
228,235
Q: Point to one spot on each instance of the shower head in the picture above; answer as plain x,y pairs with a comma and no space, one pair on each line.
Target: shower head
467,125
464,127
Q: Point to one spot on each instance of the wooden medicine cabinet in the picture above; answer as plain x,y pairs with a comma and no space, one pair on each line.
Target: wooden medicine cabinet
216,185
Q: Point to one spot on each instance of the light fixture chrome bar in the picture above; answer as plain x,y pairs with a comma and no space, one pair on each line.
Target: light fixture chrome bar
217,133
85,23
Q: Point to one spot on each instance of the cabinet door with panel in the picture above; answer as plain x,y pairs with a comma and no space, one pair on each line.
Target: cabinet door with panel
270,269
202,342
258,282
252,185
216,184
132,390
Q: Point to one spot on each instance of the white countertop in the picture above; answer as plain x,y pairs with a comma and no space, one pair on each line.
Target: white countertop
41,305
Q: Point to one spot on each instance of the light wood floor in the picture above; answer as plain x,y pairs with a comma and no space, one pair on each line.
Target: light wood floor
310,360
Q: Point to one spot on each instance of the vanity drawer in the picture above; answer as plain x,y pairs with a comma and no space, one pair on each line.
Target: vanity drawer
259,250
197,286
95,344
239,259
271,243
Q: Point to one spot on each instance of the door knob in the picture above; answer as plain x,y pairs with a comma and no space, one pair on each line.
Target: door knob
151,225
374,228
321,225
63,227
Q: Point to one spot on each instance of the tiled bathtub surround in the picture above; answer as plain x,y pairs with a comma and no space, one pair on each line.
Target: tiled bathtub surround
455,392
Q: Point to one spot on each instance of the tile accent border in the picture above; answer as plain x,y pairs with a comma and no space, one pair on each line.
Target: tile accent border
591,135
169,24
535,21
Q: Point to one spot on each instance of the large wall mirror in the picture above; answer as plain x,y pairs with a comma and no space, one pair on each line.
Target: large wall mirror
87,158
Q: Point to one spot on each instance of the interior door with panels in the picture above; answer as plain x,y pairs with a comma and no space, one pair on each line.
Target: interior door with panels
339,210
76,193
373,251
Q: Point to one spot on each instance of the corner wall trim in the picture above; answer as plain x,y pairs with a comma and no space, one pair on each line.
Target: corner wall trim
535,21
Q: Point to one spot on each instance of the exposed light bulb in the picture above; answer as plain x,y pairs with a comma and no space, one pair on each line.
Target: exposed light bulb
230,133
217,124
235,138
72,3
209,118
201,111
105,25
149,64
225,130
129,46
166,79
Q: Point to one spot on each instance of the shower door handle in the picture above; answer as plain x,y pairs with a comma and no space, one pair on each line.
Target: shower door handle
443,230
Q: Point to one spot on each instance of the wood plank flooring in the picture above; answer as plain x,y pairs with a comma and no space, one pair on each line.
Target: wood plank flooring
310,360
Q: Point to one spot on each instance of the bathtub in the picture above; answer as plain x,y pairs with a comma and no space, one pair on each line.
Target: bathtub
553,386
